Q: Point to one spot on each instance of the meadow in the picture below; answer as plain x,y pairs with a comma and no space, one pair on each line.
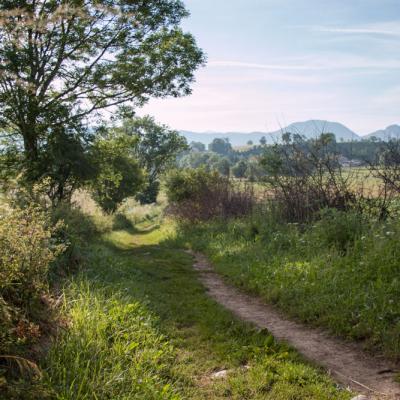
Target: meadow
340,272
143,327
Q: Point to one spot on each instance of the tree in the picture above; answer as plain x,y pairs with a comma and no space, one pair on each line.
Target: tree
239,169
65,164
63,61
250,143
156,149
118,174
220,146
263,141
197,146
223,166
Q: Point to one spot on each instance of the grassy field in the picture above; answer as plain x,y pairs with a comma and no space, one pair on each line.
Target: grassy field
340,273
142,327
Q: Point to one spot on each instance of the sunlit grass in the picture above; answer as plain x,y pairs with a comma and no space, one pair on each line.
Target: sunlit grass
142,327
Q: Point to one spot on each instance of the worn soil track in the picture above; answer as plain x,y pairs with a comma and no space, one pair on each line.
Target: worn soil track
347,363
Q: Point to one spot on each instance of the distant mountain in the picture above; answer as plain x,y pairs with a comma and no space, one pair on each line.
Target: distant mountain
309,129
391,132
314,128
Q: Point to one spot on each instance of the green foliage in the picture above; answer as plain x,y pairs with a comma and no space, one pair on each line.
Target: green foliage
118,348
340,272
197,146
239,169
224,167
338,229
156,149
187,184
27,248
115,53
220,146
65,164
132,359
118,172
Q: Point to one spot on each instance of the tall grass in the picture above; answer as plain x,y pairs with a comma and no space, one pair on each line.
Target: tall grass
111,350
340,272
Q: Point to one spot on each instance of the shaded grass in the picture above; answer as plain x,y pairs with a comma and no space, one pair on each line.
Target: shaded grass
142,327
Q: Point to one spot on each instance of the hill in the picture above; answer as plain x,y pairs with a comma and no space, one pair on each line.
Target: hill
391,132
309,129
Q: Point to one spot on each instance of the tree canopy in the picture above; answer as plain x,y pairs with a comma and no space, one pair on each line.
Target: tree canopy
64,61
156,149
220,146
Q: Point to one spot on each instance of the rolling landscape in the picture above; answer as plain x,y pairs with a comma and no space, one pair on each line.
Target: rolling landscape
140,261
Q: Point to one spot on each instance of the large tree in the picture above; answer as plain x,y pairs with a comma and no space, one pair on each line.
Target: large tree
156,149
220,146
64,61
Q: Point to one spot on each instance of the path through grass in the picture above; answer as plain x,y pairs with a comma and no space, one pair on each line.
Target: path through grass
142,327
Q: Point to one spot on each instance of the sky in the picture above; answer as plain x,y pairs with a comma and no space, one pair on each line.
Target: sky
274,62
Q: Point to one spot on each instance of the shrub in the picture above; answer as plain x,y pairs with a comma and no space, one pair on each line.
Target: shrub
119,175
338,229
199,195
27,248
77,230
305,177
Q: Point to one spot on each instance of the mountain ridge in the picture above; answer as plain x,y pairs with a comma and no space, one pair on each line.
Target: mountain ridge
310,129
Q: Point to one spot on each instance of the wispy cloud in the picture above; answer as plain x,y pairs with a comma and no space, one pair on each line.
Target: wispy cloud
247,65
314,63
391,28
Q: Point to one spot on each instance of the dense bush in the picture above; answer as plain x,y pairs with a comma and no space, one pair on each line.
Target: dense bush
199,195
27,248
306,177
119,174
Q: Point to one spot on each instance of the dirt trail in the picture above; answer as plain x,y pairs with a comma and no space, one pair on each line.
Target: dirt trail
347,363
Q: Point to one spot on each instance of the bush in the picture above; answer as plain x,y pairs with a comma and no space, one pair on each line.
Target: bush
77,230
119,175
27,248
305,176
199,195
338,229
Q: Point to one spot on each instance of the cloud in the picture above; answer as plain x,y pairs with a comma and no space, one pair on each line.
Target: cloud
391,28
247,65
329,61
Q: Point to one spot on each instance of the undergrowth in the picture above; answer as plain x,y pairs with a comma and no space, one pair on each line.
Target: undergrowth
340,272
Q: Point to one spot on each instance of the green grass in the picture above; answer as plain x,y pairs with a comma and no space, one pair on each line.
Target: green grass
142,327
341,273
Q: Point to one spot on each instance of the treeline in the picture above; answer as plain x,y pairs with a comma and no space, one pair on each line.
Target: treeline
245,162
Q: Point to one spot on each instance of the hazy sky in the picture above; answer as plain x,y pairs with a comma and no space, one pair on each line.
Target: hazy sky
273,62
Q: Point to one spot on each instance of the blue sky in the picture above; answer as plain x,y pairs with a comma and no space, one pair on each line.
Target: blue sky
273,62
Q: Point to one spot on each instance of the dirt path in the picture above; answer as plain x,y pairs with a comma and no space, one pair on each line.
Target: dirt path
347,363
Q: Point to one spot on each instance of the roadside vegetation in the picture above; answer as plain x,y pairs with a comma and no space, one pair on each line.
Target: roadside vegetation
138,306
319,246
